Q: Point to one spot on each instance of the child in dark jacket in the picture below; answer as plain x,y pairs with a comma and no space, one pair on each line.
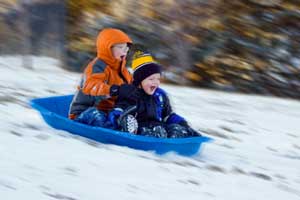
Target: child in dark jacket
152,108
103,79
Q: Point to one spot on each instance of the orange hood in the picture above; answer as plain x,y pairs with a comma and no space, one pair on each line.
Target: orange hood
105,40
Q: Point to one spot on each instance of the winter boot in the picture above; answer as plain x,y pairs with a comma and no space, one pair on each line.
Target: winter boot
177,131
156,131
159,132
193,133
129,124
145,131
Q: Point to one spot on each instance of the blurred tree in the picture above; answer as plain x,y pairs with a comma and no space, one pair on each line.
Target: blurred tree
232,45
35,27
26,34
177,24
78,12
80,42
244,45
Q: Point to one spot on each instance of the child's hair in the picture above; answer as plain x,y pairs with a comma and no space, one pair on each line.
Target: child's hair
143,65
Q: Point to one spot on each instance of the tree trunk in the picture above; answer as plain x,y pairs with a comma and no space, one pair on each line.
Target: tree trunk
25,28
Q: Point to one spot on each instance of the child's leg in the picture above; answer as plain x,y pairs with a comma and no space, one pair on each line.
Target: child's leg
94,117
153,131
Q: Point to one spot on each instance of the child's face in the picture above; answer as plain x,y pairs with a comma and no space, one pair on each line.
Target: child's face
151,83
120,51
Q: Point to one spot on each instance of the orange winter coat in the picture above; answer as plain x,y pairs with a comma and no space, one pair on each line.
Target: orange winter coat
100,74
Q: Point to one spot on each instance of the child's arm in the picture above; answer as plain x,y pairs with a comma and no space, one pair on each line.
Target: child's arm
171,117
123,102
95,85
127,97
99,80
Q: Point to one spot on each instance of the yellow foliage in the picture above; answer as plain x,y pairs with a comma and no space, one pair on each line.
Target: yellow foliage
222,81
192,39
260,64
192,76
232,61
82,44
213,72
210,60
291,6
243,65
201,65
77,7
246,77
269,35
212,23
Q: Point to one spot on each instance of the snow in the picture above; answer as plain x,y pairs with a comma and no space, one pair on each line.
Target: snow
255,154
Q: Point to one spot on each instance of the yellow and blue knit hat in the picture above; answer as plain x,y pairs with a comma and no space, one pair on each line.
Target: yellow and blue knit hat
143,65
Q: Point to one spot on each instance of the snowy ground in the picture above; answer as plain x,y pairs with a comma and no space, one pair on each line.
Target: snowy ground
255,155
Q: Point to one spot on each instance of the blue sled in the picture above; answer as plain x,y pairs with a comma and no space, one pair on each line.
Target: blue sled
54,110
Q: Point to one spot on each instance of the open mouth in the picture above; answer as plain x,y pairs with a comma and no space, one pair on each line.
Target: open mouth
122,57
152,88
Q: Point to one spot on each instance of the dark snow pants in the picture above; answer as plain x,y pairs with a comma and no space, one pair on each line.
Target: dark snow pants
94,117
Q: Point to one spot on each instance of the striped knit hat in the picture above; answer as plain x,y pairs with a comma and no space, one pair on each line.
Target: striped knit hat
143,65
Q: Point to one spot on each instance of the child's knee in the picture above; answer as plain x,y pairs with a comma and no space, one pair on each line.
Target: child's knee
92,116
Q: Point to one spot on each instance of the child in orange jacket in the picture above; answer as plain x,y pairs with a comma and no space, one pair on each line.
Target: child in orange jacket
103,79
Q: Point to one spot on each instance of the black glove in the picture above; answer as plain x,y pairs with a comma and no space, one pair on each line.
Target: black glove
128,91
114,90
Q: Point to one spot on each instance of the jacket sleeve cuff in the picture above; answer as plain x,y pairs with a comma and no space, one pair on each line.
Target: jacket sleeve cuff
114,90
174,118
